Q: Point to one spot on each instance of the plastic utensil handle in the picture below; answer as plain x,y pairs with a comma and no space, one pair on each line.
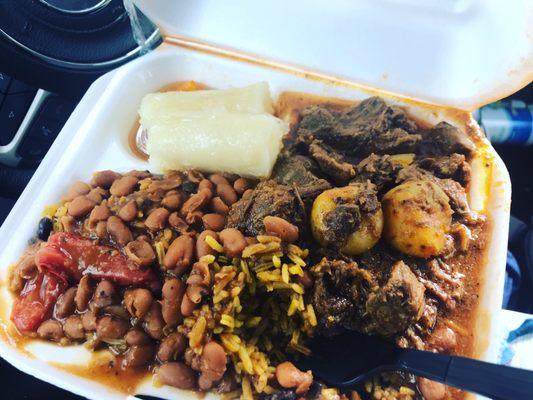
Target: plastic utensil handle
495,381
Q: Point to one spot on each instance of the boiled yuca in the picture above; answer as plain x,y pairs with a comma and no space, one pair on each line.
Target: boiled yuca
244,144
254,99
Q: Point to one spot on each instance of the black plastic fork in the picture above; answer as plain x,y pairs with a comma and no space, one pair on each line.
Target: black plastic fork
348,360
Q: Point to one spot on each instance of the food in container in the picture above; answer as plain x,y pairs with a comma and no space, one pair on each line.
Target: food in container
215,248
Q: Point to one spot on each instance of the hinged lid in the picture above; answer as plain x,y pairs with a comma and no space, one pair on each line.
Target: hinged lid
462,53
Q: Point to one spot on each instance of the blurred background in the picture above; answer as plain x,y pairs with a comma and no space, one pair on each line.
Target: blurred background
52,50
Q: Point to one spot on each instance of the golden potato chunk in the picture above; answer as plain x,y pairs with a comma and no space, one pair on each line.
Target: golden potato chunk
349,217
417,218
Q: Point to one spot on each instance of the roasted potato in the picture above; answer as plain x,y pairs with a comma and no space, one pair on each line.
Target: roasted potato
366,230
417,218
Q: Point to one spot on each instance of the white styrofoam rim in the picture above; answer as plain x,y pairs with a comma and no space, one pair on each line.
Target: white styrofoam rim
78,126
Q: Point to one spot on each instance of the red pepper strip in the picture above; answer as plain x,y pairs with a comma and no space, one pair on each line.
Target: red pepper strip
36,301
70,255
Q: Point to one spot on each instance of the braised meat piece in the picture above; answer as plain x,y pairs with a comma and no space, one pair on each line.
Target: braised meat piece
453,167
455,192
268,198
339,294
444,139
331,162
369,127
300,172
395,306
381,170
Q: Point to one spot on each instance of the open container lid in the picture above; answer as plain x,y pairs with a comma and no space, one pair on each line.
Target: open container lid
460,53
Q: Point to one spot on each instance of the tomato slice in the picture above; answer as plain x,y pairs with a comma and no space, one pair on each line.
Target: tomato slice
69,256
36,301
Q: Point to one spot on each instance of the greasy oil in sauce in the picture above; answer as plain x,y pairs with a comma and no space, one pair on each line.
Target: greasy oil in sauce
108,373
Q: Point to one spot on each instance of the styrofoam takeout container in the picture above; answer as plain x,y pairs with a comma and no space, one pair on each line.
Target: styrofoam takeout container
96,137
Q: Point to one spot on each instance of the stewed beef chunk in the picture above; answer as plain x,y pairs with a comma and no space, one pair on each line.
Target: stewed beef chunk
369,127
331,162
444,139
453,166
455,192
381,170
339,294
300,172
396,305
268,198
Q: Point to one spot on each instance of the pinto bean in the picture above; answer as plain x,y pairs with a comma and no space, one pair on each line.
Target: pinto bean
111,328
431,390
118,230
101,229
73,328
26,268
194,176
177,374
172,293
69,223
124,186
138,301
97,195
233,241
206,184
157,219
99,213
50,330
212,365
65,305
282,228
288,376
105,178
140,252
197,201
103,294
247,194
250,240
172,200
195,293
77,189
194,217
227,193
84,292
179,254
218,206
202,248
89,320
178,223
153,321
443,339
187,306
128,211
136,337
80,206
138,356
116,310
218,179
141,174
241,185
200,275
214,222
172,347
